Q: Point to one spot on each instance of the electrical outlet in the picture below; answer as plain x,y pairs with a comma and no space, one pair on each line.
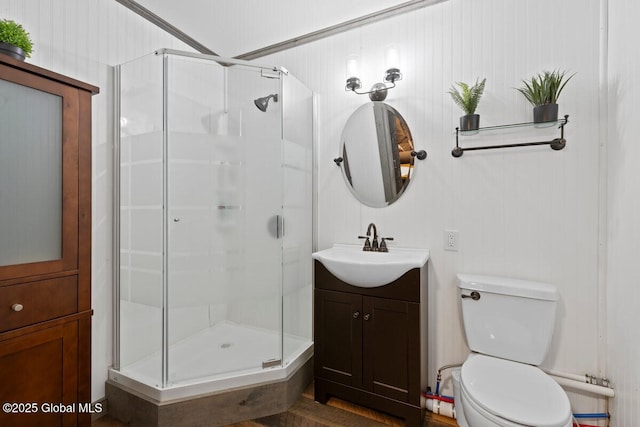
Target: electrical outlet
450,240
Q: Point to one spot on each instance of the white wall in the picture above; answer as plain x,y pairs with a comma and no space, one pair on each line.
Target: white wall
530,213
84,39
623,268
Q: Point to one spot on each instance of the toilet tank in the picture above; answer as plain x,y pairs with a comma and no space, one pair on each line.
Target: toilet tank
512,319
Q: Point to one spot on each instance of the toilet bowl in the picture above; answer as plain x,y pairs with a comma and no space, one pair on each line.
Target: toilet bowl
497,392
508,324
457,398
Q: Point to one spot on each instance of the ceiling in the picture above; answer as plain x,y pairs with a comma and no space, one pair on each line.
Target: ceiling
232,28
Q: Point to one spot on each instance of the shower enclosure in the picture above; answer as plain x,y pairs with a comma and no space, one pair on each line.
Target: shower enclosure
213,224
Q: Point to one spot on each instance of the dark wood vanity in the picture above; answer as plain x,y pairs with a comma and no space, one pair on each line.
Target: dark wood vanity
371,343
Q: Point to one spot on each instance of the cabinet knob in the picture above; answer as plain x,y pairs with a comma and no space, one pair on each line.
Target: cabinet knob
367,316
356,314
17,307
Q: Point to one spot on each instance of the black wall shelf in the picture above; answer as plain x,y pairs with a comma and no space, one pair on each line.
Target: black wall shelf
556,144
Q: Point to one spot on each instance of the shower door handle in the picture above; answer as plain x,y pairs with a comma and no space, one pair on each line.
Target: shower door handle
279,226
276,226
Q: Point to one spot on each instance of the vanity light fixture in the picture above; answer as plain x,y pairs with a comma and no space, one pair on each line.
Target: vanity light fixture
378,91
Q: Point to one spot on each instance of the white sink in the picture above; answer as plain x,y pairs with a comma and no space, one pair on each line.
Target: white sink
356,267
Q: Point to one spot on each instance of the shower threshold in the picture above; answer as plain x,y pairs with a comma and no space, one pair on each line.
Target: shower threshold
222,357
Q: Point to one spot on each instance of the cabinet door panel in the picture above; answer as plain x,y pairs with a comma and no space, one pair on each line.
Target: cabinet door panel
39,369
38,175
338,337
391,348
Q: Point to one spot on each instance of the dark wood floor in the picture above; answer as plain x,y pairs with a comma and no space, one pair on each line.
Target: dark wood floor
307,413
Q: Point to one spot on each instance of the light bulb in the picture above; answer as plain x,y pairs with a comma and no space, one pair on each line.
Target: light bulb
392,57
352,65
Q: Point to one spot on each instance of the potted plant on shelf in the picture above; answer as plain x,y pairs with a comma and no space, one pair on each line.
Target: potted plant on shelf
467,98
542,91
14,40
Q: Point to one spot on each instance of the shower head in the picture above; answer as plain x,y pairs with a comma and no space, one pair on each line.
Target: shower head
262,103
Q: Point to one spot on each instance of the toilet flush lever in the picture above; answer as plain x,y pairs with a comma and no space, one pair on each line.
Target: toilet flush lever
475,295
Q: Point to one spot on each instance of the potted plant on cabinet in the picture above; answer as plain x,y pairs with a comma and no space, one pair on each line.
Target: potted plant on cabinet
467,98
15,41
542,91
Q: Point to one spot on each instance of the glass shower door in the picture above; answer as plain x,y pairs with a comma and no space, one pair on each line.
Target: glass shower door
297,166
140,221
223,220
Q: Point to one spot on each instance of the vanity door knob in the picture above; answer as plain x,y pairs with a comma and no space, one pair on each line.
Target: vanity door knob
367,316
356,314
17,307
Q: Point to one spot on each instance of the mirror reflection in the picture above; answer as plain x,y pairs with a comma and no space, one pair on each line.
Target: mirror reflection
376,147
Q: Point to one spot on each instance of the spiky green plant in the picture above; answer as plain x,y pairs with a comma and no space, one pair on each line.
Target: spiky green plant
15,34
468,97
545,87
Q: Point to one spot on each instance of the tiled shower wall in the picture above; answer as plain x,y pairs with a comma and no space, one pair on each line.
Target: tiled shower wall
530,213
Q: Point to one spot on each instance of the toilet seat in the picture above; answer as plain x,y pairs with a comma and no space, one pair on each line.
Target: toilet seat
515,392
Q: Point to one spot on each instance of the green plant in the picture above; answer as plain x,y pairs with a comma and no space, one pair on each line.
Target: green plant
545,87
468,97
15,34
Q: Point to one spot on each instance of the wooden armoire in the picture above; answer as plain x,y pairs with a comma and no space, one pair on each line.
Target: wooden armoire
45,247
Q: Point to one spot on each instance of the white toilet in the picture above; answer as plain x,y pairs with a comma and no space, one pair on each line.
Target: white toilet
509,324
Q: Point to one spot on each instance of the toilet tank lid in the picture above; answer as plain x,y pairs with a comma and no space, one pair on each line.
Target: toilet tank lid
508,286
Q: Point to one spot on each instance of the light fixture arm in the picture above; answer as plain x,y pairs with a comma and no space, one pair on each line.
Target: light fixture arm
378,91
372,88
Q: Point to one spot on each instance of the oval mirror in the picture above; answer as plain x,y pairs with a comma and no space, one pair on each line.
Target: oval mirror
377,160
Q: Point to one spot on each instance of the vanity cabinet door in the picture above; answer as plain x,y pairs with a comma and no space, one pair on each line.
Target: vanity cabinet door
338,337
39,370
391,340
371,343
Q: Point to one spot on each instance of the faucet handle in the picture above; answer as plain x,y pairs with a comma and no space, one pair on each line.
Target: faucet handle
367,243
383,244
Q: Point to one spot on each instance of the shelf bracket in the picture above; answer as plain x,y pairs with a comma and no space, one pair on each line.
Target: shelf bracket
555,144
